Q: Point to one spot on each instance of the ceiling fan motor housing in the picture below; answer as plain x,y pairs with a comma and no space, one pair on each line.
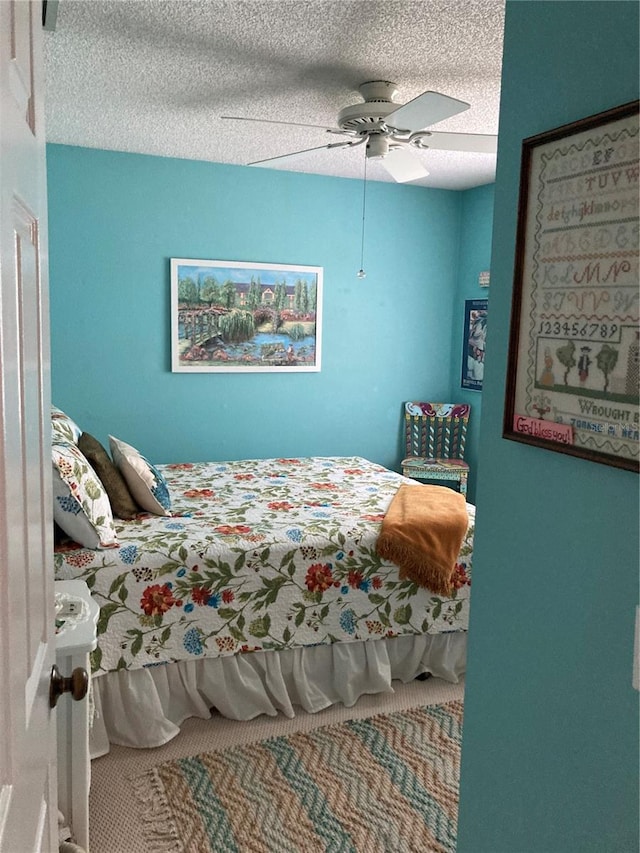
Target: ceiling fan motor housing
362,119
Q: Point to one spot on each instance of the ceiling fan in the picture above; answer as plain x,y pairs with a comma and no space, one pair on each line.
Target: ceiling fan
390,130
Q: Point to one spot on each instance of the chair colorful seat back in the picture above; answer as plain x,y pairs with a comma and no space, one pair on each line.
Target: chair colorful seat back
436,430
435,436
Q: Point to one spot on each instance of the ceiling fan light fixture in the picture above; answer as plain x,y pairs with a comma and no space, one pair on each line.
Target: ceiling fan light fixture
403,165
377,146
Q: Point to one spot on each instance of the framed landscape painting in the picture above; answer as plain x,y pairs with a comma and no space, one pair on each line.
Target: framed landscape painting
241,317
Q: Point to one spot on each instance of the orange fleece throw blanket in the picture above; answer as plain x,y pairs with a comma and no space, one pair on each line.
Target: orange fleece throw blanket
422,533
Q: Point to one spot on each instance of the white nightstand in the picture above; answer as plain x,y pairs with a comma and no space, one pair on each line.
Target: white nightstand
76,637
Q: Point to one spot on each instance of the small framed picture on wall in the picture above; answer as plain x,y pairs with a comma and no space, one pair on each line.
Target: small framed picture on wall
473,343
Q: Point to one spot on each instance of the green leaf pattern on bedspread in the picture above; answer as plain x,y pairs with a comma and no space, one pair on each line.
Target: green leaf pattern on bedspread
258,555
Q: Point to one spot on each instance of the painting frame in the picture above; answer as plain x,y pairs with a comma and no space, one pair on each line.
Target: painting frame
245,317
473,343
572,365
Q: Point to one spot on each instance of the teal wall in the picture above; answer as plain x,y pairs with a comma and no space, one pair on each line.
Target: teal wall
116,219
550,749
474,257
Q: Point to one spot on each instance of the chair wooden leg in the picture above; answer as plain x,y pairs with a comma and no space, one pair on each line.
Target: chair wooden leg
463,484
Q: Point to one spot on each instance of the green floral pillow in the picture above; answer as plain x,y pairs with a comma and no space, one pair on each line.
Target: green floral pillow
80,504
63,429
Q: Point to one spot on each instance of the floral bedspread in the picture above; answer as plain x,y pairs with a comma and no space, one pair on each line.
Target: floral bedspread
258,554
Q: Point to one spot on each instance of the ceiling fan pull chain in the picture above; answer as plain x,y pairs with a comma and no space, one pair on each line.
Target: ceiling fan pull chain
361,273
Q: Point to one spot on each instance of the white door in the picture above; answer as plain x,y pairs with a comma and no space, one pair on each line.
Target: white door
28,812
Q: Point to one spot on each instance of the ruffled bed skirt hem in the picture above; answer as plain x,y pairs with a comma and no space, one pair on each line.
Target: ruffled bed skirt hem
145,707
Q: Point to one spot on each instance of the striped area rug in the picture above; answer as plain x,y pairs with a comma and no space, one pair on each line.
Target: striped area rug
386,784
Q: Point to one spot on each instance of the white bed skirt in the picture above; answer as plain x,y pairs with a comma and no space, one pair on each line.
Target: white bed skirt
145,707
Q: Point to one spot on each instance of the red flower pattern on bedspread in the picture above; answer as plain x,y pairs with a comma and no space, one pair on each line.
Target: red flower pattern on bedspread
460,577
354,579
157,599
81,559
200,595
199,493
232,529
319,577
280,506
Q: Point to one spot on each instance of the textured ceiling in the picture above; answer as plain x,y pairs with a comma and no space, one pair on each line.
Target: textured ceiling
154,76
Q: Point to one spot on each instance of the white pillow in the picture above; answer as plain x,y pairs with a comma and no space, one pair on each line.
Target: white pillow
80,504
146,483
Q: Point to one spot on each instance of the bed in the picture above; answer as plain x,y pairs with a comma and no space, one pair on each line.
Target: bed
258,591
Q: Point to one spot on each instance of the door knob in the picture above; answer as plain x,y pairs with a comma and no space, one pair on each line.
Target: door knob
77,684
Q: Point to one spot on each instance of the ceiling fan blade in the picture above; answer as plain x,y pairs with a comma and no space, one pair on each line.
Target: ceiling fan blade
349,144
481,143
291,123
403,166
425,110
